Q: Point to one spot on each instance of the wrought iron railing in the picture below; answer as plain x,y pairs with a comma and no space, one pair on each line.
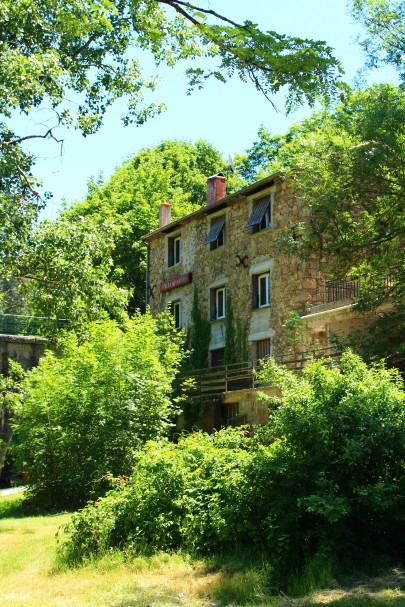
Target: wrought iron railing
15,324
333,291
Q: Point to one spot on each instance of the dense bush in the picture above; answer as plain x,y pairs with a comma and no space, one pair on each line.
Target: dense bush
326,474
85,411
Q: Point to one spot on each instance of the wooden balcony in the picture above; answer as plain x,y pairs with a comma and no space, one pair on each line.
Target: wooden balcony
211,383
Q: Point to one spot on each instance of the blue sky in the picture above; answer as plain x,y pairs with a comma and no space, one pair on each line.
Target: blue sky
226,115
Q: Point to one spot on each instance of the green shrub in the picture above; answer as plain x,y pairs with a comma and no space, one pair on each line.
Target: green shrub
84,412
324,478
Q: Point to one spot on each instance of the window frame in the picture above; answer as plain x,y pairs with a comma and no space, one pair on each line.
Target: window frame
257,290
215,294
263,344
173,259
265,221
174,305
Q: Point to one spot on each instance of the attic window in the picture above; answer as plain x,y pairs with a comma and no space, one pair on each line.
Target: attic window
260,218
215,236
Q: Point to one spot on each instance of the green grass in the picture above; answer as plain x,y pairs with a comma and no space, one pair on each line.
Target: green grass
32,577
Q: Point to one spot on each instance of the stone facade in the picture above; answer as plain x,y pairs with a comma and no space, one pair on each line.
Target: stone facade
246,256
243,256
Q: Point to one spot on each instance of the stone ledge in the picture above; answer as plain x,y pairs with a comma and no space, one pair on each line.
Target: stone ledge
22,339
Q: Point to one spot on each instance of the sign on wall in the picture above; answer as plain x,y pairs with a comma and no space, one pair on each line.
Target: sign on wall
176,281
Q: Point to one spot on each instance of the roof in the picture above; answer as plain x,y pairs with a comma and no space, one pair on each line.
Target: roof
214,206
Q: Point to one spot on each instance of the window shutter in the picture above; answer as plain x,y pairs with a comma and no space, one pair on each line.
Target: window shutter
258,211
216,227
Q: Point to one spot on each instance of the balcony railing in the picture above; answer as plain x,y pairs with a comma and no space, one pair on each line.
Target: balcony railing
241,376
15,324
334,291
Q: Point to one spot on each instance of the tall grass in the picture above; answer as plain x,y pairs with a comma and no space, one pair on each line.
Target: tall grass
30,576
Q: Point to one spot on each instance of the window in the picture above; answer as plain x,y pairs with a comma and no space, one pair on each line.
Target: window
175,310
216,235
261,290
217,303
260,217
218,357
263,348
230,414
174,251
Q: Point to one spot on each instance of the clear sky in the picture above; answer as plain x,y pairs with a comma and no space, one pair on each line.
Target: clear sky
226,115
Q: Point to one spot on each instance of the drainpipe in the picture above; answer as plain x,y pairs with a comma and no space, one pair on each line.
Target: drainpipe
147,275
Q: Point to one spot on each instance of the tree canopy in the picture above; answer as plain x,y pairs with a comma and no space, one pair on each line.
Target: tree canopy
76,58
383,22
91,260
346,165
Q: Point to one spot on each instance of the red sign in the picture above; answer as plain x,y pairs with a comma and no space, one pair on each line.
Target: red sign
176,281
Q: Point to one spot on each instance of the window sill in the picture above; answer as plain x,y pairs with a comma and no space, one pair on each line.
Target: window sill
262,230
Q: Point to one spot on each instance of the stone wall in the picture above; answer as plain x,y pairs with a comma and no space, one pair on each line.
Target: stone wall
291,279
25,350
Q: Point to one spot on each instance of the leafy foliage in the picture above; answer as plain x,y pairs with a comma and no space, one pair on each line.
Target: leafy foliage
199,336
383,21
326,474
10,397
348,167
66,271
77,57
84,412
91,261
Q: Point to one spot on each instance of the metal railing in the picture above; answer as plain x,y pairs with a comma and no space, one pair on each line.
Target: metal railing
15,324
341,290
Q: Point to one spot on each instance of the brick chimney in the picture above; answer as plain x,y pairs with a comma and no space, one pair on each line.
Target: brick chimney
216,188
165,213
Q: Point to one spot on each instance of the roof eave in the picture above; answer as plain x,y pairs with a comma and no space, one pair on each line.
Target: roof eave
213,206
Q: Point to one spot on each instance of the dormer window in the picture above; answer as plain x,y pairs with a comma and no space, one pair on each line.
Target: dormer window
174,251
260,217
216,235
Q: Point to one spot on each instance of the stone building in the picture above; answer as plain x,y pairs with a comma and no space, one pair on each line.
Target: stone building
228,249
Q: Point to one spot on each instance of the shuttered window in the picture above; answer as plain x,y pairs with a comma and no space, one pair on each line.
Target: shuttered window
260,218
263,348
215,236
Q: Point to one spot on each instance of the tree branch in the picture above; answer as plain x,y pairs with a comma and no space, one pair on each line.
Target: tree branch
48,135
177,4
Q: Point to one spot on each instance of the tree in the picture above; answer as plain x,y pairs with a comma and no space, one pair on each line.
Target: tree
91,261
65,271
85,412
76,58
383,21
172,170
346,165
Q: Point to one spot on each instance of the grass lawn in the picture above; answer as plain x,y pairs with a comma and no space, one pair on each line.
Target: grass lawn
31,577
